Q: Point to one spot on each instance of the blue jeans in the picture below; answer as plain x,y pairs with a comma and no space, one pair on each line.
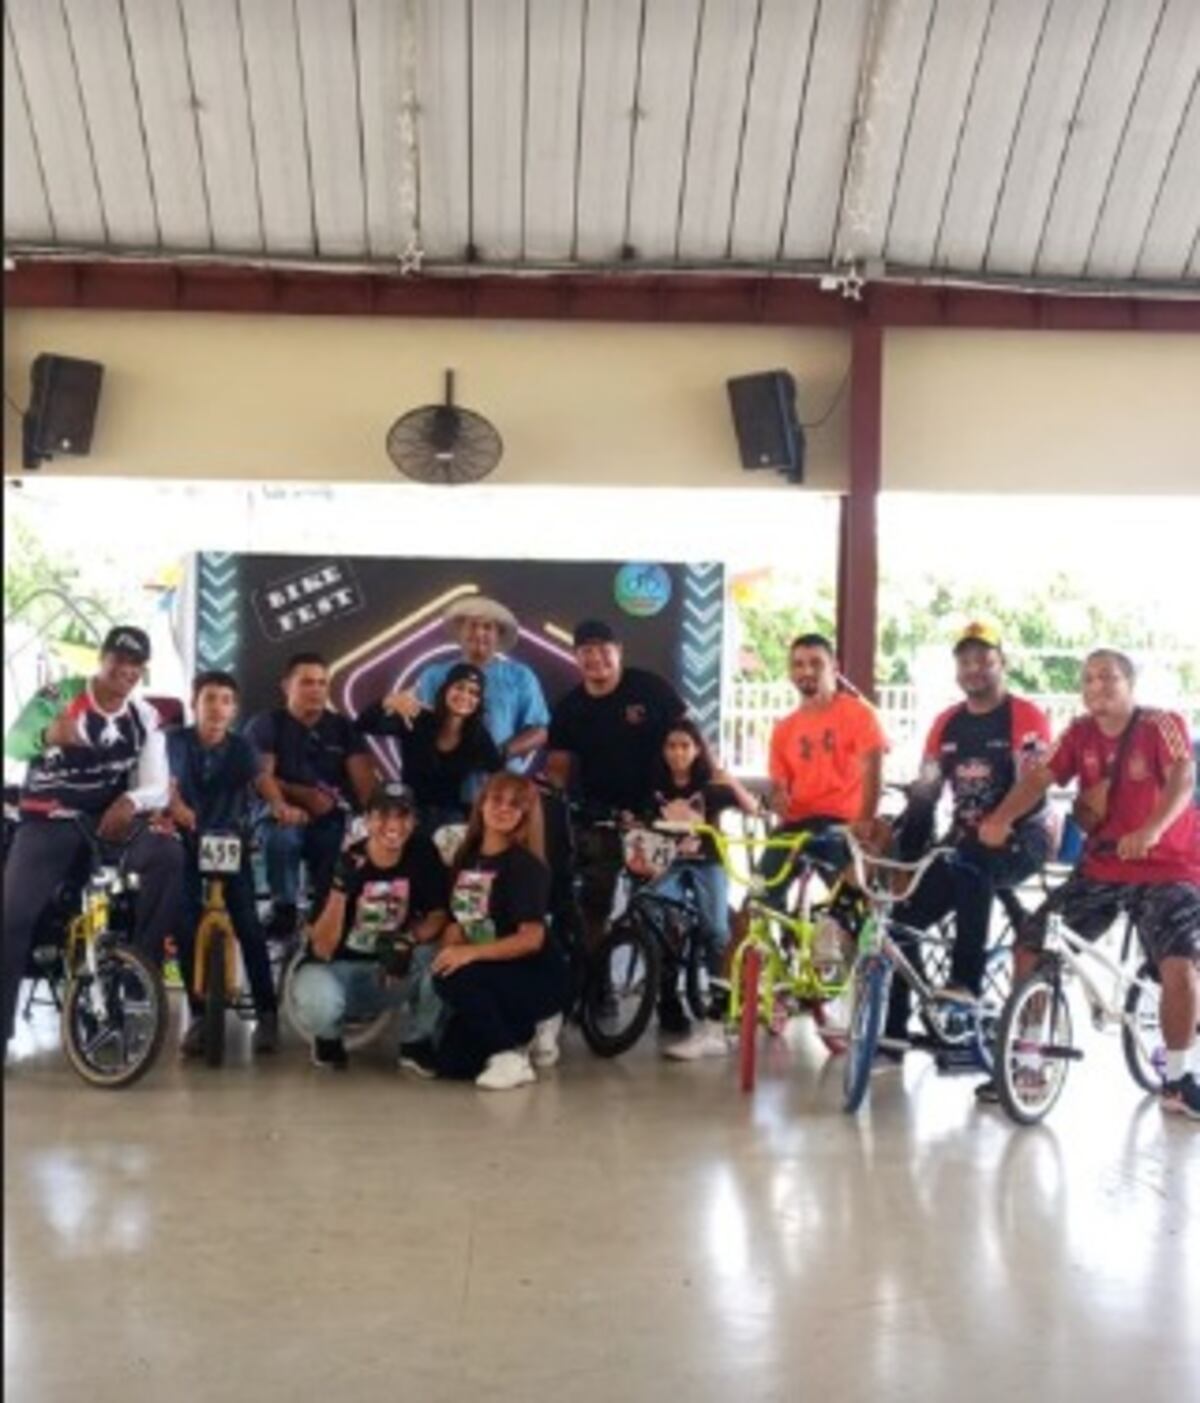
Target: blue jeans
317,843
327,995
712,897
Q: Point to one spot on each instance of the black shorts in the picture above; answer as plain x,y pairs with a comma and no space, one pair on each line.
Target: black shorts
1166,915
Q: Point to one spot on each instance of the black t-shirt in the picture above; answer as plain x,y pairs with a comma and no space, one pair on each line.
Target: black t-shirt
214,781
435,776
384,902
493,896
312,755
709,802
617,739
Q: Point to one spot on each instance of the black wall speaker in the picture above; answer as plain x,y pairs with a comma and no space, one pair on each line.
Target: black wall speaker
769,432
62,407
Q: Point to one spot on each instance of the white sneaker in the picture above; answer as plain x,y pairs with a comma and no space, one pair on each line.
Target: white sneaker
544,1050
506,1070
707,1039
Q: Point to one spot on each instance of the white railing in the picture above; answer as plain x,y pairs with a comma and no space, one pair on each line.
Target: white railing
752,708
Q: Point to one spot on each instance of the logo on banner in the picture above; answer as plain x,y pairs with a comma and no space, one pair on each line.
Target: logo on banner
642,590
307,599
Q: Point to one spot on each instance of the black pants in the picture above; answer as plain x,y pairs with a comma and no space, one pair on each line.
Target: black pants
599,856
494,1007
243,912
47,852
967,887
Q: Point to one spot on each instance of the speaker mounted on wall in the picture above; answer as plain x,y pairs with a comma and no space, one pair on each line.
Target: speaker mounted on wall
769,432
63,399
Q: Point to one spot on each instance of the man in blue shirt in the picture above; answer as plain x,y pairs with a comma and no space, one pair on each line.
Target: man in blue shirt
214,775
515,709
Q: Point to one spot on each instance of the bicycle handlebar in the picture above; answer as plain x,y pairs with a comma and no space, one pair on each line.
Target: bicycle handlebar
870,871
791,843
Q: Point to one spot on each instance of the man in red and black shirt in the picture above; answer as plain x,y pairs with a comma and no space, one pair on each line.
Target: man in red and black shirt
979,748
1136,776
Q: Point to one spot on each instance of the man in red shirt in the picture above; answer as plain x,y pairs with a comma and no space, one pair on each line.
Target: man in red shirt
979,748
1136,776
826,760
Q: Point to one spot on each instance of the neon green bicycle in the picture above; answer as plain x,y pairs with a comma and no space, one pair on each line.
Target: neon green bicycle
785,965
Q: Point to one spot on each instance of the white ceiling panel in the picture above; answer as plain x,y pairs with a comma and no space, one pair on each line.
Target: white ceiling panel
277,123
989,128
610,71
782,60
666,78
1114,74
948,74
329,71
168,103
444,130
1174,228
893,63
552,127
43,48
1051,96
719,96
214,41
26,212
1158,111
498,93
101,48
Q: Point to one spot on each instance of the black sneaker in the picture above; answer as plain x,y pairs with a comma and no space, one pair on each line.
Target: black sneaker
1182,1097
987,1092
417,1058
265,1037
671,1017
330,1054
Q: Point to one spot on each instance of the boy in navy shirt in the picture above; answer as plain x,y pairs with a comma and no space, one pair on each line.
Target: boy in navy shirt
214,774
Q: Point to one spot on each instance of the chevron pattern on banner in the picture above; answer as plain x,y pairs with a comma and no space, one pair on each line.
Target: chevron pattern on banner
217,610
700,646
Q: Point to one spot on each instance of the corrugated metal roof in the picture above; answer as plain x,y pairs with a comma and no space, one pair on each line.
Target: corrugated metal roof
1045,141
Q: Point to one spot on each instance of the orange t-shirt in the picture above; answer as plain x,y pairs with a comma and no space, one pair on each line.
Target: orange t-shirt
818,755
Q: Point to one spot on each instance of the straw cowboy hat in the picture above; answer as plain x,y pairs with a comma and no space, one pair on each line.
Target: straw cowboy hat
478,606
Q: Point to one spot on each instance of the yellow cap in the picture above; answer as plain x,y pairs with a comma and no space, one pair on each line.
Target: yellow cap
978,633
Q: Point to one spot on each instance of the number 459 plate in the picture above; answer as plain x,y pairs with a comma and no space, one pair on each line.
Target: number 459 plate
220,852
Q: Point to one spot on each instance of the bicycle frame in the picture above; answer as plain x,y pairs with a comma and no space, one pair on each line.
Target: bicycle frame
1077,954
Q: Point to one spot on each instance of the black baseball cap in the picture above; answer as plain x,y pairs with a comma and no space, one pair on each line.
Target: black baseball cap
465,672
124,638
391,797
594,631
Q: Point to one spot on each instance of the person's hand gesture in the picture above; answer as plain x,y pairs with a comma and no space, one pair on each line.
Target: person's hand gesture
453,957
1136,845
406,705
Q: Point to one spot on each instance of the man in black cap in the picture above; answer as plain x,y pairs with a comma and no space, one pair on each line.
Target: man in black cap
92,749
613,726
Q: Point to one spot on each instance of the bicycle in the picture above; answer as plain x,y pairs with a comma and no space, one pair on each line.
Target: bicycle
952,1025
1035,1041
114,1007
215,975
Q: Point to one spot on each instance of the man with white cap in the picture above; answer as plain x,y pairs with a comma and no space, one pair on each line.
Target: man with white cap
515,710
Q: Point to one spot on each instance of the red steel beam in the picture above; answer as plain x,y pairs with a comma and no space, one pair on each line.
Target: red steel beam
858,544
746,299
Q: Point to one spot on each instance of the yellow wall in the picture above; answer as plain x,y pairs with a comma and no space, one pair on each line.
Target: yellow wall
216,396
1041,412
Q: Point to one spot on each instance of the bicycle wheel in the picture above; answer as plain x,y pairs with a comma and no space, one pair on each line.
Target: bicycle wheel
214,993
997,986
750,975
356,1033
1141,1034
114,1022
1034,1048
869,995
696,978
621,989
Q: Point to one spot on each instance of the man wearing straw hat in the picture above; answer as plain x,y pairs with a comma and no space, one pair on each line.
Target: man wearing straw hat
514,706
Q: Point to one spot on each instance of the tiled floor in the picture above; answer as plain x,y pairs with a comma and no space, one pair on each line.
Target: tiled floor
631,1230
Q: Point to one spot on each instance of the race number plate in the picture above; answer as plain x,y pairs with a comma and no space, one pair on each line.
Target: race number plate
220,853
647,854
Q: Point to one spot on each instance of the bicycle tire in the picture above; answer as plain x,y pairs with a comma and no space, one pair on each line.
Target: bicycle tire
1013,1053
699,997
866,1024
997,987
1148,1074
641,988
750,975
113,963
355,1035
214,991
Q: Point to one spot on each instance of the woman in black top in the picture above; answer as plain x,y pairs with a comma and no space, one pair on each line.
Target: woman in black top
498,971
443,750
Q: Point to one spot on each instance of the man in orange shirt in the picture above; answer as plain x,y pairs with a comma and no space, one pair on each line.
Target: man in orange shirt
826,760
